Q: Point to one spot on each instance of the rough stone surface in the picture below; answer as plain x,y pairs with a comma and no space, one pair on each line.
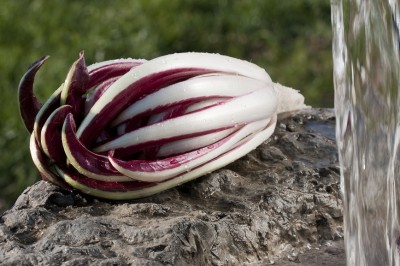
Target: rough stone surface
279,205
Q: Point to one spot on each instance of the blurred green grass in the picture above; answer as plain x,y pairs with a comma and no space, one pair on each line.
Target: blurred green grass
290,39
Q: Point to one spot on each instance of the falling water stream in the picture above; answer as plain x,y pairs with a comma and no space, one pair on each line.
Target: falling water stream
366,43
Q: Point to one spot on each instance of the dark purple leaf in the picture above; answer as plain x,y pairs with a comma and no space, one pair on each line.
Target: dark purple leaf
47,109
114,69
43,163
75,86
88,163
107,186
29,105
100,89
51,134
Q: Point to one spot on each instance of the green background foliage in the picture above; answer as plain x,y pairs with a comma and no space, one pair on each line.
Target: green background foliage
290,39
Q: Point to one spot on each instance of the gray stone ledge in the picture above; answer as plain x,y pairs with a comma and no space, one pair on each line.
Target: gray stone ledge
280,204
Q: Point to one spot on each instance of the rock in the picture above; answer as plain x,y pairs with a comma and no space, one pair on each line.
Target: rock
279,204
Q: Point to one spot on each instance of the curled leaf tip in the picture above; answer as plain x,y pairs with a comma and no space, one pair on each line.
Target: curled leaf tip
75,85
29,105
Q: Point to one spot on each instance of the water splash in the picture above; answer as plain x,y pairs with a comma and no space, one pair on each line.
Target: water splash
367,78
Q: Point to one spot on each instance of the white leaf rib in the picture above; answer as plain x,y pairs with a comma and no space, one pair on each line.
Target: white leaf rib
162,175
244,109
205,86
